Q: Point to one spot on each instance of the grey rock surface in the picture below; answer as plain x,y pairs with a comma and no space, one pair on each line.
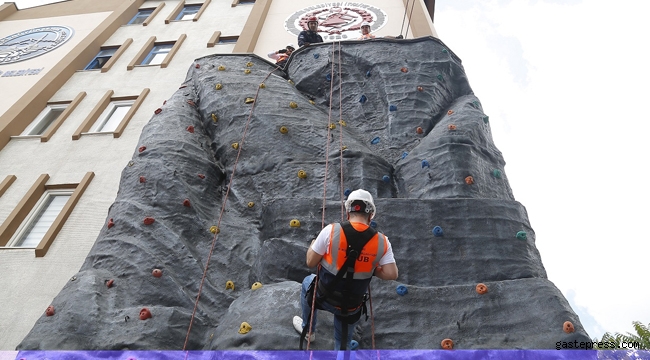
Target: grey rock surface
419,180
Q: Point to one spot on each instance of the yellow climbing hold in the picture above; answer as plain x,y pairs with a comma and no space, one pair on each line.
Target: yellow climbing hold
345,147
214,229
247,71
290,82
215,118
218,86
230,285
249,100
312,102
221,68
251,204
294,223
256,285
244,328
332,126
235,146
249,64
343,123
293,105
262,86
283,129
302,174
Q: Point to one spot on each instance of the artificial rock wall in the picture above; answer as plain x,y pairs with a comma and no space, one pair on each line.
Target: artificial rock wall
413,134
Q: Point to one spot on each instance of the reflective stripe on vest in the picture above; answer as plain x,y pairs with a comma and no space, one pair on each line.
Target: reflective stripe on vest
367,261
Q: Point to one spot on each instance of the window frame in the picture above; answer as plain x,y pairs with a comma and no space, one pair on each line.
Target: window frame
41,117
151,55
99,55
131,22
181,14
35,214
107,114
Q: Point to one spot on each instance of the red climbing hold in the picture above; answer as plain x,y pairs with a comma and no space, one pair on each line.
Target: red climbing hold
197,66
49,311
145,314
149,220
156,273
568,327
183,86
419,130
158,111
142,148
191,102
201,176
447,344
469,180
165,102
186,202
110,223
420,88
109,283
143,179
451,127
190,129
481,288
405,70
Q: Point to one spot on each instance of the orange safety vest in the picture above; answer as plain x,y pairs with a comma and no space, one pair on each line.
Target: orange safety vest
366,37
367,261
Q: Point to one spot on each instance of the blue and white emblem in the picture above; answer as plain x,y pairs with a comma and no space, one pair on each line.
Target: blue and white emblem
31,43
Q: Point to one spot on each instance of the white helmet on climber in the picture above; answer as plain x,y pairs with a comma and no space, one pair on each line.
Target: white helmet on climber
361,195
365,23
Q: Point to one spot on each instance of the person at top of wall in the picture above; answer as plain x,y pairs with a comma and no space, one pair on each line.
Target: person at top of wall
310,36
365,32
281,56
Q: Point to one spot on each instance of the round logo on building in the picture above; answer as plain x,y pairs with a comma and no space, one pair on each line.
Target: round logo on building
337,20
31,43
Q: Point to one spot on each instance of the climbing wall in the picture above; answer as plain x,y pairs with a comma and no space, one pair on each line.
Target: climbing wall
241,167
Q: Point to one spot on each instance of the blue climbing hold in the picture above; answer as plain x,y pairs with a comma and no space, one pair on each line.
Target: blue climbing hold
354,345
439,77
363,99
386,179
496,173
392,108
402,290
437,231
328,77
368,73
316,56
521,235
404,155
347,192
375,141
373,224
425,164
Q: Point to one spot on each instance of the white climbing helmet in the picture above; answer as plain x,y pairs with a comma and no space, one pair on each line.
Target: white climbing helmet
290,45
364,196
365,23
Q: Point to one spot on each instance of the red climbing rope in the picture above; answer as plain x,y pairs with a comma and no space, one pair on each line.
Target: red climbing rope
223,207
341,132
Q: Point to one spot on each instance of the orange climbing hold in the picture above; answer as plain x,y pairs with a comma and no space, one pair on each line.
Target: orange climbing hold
187,203
405,70
481,288
110,223
469,180
450,112
190,129
156,273
201,176
420,88
191,102
419,130
145,314
568,327
149,220
447,344
109,283
451,127
49,311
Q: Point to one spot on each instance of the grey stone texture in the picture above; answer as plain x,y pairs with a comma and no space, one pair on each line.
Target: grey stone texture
407,84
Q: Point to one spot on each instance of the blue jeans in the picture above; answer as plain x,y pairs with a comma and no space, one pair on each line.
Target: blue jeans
338,326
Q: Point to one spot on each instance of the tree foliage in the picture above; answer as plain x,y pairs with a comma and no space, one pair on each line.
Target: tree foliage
642,337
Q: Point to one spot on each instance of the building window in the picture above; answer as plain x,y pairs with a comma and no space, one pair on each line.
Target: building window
141,16
157,54
112,116
42,216
101,58
246,2
188,12
228,39
44,120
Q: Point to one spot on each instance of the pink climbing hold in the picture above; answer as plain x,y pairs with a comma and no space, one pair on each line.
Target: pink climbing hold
190,129
109,283
49,311
143,179
186,202
149,220
142,148
201,176
191,102
110,223
197,66
405,70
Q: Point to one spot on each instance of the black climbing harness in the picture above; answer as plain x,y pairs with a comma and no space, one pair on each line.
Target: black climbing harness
342,298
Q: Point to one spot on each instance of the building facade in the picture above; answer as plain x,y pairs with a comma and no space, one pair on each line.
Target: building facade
78,81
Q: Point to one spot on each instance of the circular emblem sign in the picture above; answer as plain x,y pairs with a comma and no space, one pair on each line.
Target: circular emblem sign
337,20
32,43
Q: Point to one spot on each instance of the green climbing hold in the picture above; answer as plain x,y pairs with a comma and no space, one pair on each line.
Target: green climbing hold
521,235
486,119
439,77
496,173
444,51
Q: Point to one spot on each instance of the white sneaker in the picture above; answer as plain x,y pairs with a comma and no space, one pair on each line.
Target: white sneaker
297,324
